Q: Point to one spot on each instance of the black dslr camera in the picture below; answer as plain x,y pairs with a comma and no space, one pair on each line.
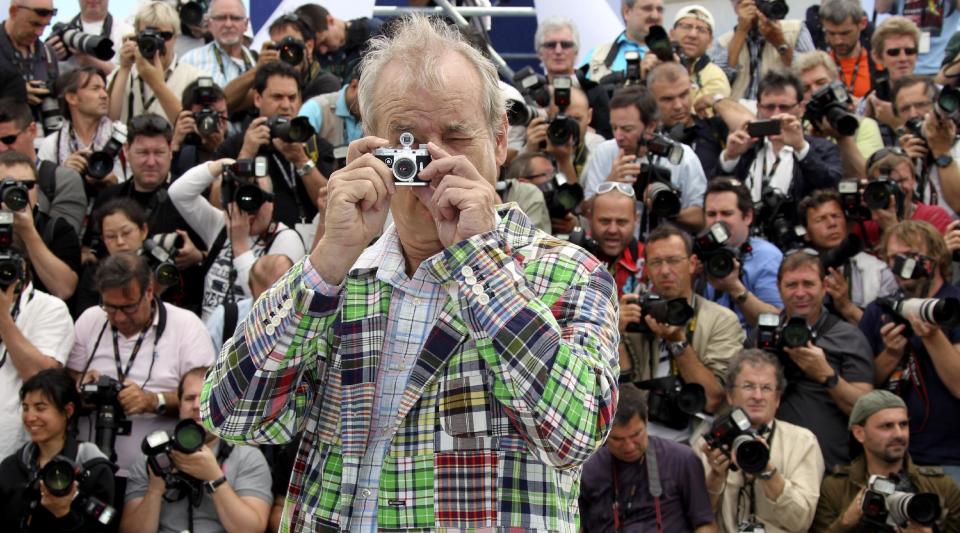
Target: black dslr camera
160,251
77,39
100,163
58,476
711,248
191,12
672,402
664,199
561,198
561,128
150,42
291,50
536,96
831,102
883,506
11,262
406,162
675,312
732,434
851,199
658,42
877,193
187,437
773,336
240,185
773,9
207,119
778,219
14,194
111,420
663,146
51,116
291,130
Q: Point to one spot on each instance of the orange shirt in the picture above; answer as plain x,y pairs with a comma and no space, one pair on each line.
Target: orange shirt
856,72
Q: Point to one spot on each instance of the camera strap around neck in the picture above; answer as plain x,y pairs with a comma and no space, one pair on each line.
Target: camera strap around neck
749,485
143,97
218,55
122,372
14,313
77,22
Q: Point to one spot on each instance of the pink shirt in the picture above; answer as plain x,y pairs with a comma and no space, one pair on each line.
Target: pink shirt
934,214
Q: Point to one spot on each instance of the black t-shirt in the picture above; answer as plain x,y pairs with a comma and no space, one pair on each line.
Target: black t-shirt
62,241
934,432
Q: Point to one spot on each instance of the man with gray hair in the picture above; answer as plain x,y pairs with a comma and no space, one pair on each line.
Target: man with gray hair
843,23
225,57
783,497
458,372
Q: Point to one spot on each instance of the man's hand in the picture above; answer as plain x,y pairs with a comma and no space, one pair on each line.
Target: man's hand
739,141
257,135
150,71
239,222
746,14
90,376
791,131
887,217
188,254
629,312
459,198
135,400
838,288
58,506
648,63
292,152
536,134
703,107
36,92
882,111
625,168
665,331
952,236
128,52
913,146
59,49
563,225
812,360
184,126
7,297
78,161
730,284
851,517
201,464
23,222
268,53
914,528
771,31
922,329
894,343
719,462
940,134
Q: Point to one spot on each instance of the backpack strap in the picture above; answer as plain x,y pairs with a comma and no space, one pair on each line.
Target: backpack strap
230,313
47,179
214,250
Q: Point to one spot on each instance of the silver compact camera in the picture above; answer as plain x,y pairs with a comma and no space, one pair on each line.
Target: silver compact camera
405,162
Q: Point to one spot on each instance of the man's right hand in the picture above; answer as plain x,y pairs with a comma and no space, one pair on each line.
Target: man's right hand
185,125
257,135
718,460
268,53
894,343
746,14
625,168
851,517
630,312
914,146
536,134
59,49
78,161
358,200
128,52
952,236
36,92
738,142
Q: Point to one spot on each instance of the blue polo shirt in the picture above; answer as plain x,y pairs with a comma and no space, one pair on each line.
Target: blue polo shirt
624,45
352,128
759,275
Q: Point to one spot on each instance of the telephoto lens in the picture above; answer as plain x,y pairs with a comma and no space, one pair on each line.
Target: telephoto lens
877,193
923,508
291,51
664,200
188,436
939,311
291,130
58,475
795,333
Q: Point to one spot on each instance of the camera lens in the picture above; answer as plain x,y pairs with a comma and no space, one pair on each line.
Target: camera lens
948,103
167,274
249,198
720,264
191,13
58,476
678,312
795,333
691,399
99,165
752,455
404,169
300,130
15,198
664,201
9,272
877,194
188,436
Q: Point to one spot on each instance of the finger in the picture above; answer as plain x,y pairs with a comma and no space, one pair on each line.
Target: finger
361,169
364,145
361,186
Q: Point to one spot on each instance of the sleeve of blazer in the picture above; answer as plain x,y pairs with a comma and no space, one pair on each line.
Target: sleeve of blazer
802,473
822,168
722,341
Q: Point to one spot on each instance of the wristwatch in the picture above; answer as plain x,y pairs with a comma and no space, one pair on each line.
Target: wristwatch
768,475
944,161
831,382
161,404
676,348
306,168
742,297
211,486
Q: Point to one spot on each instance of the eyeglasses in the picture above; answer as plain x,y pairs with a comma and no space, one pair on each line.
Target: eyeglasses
773,108
549,174
225,18
550,45
125,309
671,261
124,233
750,388
10,139
683,26
40,11
894,52
149,124
622,188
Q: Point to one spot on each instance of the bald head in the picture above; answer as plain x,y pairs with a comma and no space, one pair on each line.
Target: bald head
266,271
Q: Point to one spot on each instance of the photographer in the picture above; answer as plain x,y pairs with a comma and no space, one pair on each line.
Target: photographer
751,286
236,236
930,140
638,16
530,179
51,244
292,166
150,79
843,22
855,277
760,43
21,48
147,349
233,482
94,20
225,57
693,27
50,402
633,116
570,157
88,130
697,351
336,116
789,161
192,145
340,44
893,46
916,358
782,497
817,71
613,222
827,374
615,492
36,332
879,422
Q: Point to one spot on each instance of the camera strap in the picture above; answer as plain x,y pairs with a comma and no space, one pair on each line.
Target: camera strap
77,23
218,55
14,313
749,485
143,98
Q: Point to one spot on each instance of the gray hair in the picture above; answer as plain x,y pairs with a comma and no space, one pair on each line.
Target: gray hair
754,358
669,72
417,44
553,24
813,59
119,271
839,11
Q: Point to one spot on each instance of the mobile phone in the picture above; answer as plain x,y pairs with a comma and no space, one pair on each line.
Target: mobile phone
763,128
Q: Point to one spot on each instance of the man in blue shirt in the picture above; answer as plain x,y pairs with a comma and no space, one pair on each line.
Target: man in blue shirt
751,288
336,116
638,15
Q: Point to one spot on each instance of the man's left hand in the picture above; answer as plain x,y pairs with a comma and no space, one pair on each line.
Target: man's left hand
459,198
665,331
135,400
730,284
812,360
791,131
292,152
922,329
188,254
7,297
940,134
886,217
771,31
838,288
201,464
150,71
23,221
914,528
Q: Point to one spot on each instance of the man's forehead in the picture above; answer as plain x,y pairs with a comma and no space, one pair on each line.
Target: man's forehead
779,93
17,171
563,31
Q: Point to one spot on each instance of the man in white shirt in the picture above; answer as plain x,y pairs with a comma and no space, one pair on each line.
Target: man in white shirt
225,57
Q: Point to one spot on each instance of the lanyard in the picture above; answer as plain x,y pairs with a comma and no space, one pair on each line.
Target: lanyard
247,65
653,480
14,313
122,373
292,182
748,487
143,98
856,69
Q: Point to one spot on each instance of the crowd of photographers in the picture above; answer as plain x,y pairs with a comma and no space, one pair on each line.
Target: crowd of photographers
778,206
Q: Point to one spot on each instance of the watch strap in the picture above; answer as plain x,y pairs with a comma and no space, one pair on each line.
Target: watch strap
305,169
831,381
161,404
944,161
742,297
767,475
211,486
676,348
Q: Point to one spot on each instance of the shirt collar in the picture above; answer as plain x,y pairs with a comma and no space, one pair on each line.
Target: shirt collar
341,109
386,257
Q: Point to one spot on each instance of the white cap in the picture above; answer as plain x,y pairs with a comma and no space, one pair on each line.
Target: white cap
698,12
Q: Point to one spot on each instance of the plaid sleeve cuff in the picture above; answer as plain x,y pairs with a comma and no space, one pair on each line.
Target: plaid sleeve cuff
313,281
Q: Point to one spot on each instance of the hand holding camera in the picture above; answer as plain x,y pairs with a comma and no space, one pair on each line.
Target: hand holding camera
184,126
894,341
940,133
257,135
128,52
746,14
36,91
739,141
268,53
914,145
58,505
201,464
135,400
625,168
630,311
812,360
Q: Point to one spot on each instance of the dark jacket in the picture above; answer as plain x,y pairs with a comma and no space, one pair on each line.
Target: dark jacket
843,485
18,490
821,169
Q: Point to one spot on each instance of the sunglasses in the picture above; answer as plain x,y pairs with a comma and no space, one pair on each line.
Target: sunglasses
149,123
625,189
808,251
894,52
550,45
12,138
40,11
224,18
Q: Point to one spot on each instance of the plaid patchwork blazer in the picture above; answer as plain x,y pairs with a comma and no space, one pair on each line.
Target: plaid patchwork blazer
515,388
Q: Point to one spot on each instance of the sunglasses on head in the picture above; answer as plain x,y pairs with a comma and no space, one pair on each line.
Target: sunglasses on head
893,52
40,11
153,123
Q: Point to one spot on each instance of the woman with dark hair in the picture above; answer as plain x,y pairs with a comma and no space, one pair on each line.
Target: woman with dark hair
49,401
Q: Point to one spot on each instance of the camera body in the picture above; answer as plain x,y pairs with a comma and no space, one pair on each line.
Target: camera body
832,102
405,162
95,45
671,401
111,420
877,194
14,194
291,49
662,146
51,116
734,435
100,163
658,42
187,437
562,128
851,199
675,312
713,251
291,130
561,198
240,185
883,506
773,9
11,263
160,251
632,73
774,336
778,219
191,12
150,43
207,119
58,476
913,126
664,198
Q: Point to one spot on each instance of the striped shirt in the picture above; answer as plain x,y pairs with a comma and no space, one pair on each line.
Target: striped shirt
223,68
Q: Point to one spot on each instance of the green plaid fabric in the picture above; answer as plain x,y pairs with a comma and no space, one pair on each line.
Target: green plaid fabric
515,388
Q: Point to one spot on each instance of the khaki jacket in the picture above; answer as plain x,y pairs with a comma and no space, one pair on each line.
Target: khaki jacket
843,485
331,129
769,56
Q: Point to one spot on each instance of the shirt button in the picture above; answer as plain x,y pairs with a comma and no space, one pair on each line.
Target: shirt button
270,329
466,271
483,299
470,280
418,302
365,493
